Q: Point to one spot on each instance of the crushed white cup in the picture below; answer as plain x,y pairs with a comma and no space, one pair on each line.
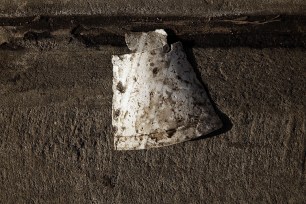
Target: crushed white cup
157,98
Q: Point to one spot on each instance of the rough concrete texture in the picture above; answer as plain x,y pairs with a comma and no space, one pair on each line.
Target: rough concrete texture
56,143
198,8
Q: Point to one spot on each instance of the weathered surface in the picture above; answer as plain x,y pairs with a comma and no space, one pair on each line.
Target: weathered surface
197,8
55,127
157,97
55,104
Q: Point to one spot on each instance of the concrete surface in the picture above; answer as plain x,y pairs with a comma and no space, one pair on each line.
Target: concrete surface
198,8
56,141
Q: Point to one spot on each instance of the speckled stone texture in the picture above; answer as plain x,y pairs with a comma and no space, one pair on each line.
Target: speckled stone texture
55,127
56,102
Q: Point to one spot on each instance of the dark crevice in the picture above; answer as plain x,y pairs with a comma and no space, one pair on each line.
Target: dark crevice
260,31
10,46
36,35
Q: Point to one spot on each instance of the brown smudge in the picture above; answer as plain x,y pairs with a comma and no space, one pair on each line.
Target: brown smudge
116,114
120,87
155,71
115,128
157,136
171,132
